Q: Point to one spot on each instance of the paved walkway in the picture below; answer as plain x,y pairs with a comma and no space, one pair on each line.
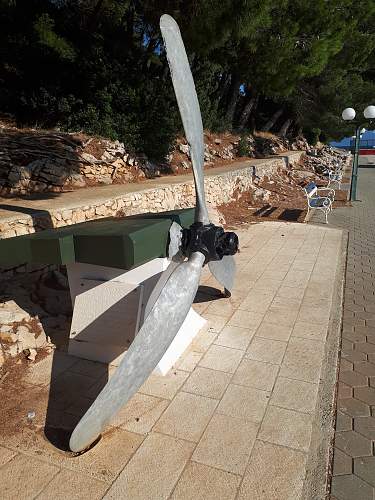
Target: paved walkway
237,418
354,458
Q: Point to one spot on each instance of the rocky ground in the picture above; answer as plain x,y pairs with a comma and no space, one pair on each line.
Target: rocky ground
37,161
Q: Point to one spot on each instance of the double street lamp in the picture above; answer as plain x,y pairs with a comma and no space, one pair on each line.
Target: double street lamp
349,114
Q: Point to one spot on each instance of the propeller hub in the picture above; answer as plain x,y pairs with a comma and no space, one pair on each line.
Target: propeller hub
212,241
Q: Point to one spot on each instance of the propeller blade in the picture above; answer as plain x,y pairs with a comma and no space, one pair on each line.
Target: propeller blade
188,104
224,271
148,347
176,256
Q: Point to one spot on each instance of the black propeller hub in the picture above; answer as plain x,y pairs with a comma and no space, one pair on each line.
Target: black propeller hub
210,240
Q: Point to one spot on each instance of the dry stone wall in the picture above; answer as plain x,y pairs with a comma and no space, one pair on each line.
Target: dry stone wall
220,188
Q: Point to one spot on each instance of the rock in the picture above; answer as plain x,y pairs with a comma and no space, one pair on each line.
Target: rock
30,354
9,336
26,338
76,180
89,158
105,179
184,148
10,312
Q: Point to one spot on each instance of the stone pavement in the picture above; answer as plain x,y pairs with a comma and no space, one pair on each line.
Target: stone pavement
238,417
354,458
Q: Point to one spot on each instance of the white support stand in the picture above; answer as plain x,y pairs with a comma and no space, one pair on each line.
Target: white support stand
108,308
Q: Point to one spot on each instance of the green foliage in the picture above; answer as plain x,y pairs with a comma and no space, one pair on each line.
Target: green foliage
312,135
44,29
99,65
243,148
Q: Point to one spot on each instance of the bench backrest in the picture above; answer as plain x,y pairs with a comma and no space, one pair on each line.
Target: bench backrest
310,189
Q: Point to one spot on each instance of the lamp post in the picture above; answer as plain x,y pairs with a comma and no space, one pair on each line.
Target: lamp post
349,114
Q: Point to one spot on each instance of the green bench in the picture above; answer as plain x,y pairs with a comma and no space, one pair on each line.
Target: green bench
123,243
113,265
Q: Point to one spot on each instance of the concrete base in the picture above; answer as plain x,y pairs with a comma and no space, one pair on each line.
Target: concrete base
108,311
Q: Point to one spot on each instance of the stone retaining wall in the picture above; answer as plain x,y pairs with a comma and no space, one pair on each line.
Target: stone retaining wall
219,188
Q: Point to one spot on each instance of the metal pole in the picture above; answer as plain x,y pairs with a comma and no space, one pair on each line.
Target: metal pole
353,184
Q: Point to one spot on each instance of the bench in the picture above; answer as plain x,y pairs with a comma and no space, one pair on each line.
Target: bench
113,265
334,177
316,201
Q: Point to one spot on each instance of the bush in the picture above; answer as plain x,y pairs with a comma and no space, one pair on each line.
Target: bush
243,147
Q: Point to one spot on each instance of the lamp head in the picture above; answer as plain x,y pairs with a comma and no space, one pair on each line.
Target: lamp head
369,112
348,114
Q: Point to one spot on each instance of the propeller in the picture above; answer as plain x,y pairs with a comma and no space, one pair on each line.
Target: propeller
177,286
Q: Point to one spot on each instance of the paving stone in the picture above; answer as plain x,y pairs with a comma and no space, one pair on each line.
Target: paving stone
310,331
302,360
345,365
266,350
365,426
256,374
209,383
294,394
164,386
235,337
352,378
187,416
344,391
140,413
221,358
226,443
246,319
343,422
353,356
351,487
274,331
281,316
274,472
200,482
244,402
365,368
71,484
188,360
353,407
23,477
286,428
364,467
342,463
353,444
365,347
365,394
154,469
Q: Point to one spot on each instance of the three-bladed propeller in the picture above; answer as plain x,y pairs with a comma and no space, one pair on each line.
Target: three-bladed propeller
174,293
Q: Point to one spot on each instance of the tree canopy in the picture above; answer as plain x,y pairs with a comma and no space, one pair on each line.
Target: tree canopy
100,66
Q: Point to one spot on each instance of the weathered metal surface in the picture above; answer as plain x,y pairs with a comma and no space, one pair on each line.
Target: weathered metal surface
188,104
150,344
224,271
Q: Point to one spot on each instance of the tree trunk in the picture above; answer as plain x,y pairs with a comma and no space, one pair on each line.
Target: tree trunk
271,122
233,98
246,112
285,127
